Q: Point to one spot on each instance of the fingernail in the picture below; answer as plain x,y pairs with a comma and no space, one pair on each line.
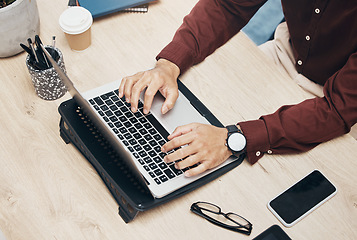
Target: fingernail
187,174
133,109
146,111
164,110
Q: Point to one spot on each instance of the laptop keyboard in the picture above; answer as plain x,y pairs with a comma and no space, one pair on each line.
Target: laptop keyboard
142,134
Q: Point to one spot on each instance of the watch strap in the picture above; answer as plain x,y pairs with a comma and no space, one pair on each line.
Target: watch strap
233,128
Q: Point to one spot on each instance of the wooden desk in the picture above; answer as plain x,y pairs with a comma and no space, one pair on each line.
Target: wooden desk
49,191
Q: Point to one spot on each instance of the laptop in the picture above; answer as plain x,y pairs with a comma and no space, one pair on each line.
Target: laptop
137,138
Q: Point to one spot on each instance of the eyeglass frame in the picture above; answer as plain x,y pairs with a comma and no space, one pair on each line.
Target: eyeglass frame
198,210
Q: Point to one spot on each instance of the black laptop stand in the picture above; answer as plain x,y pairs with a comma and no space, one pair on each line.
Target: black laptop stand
132,198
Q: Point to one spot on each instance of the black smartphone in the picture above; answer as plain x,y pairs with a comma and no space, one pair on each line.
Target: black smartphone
302,198
273,233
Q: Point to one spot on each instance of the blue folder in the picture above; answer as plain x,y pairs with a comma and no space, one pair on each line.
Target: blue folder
100,8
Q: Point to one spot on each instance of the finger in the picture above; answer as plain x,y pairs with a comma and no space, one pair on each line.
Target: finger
181,130
196,170
179,154
121,87
188,162
170,101
137,88
177,142
150,93
129,81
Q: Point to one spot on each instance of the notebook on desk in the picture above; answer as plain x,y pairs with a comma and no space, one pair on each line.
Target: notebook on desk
103,7
137,138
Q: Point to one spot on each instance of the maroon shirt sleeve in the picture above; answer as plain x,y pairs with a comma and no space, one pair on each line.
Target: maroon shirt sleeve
293,128
210,24
298,128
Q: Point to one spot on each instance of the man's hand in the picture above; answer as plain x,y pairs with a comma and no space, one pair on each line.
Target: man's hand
205,145
162,78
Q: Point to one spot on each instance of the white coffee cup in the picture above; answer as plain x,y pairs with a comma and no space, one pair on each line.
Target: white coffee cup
76,24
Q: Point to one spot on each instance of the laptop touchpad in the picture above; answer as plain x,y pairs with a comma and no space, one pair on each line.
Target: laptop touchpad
182,113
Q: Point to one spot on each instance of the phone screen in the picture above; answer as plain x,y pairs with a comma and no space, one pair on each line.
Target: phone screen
273,233
301,198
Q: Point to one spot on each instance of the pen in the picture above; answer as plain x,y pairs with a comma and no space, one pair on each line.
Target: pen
38,43
37,65
53,41
72,3
27,49
32,48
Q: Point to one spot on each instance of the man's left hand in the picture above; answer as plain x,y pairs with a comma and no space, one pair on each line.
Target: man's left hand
200,144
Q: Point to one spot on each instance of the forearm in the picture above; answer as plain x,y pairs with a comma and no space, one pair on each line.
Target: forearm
210,24
298,128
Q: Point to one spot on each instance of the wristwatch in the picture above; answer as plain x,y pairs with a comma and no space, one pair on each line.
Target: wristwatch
236,141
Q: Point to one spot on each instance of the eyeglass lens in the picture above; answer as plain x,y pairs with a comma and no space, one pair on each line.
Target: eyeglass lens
238,219
209,207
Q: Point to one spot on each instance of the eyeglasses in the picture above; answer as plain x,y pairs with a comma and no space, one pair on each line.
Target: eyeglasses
214,214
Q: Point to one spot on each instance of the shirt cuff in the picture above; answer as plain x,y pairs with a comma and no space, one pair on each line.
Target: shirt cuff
179,54
257,139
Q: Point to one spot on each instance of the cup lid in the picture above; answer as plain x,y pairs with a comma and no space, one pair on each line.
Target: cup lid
75,20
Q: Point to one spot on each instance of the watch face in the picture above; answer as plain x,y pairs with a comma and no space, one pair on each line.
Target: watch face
236,142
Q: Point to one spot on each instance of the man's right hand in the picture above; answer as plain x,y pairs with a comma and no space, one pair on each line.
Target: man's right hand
162,78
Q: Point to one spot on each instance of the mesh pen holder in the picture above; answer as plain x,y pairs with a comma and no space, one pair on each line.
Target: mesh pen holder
47,82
